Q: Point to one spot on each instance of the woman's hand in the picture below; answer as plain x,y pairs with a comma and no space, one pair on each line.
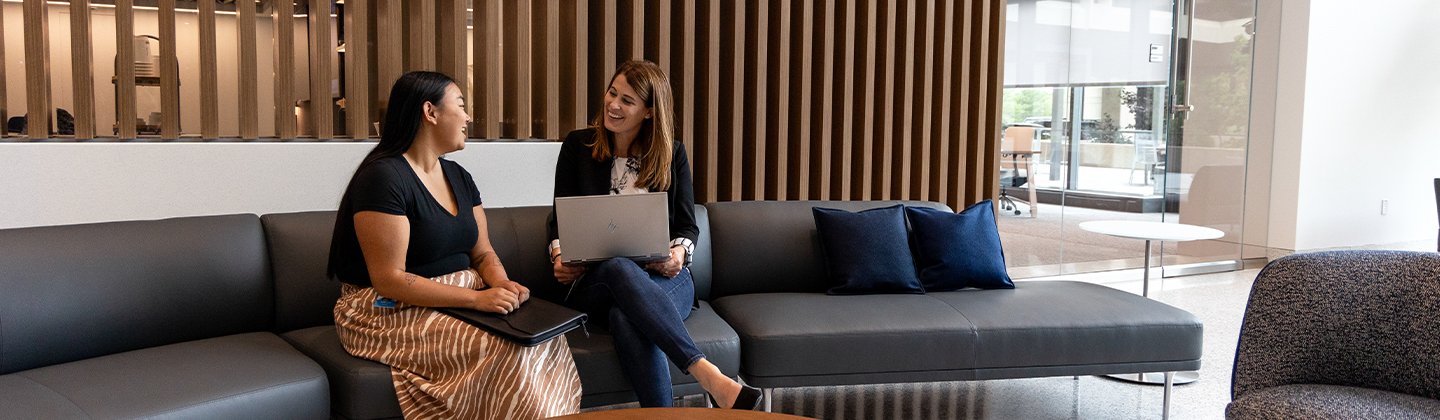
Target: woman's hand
496,299
520,291
671,267
565,273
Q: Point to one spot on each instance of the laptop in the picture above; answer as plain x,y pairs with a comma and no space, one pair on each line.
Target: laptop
596,228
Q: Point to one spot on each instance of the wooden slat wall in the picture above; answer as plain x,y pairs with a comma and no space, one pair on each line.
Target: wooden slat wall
37,70
125,111
81,71
775,99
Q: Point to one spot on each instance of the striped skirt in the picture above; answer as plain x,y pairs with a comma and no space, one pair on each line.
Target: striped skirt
445,368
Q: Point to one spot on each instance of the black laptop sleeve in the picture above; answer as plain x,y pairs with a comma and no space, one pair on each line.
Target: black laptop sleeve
535,322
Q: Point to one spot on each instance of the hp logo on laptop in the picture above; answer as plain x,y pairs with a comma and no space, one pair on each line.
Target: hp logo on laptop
612,226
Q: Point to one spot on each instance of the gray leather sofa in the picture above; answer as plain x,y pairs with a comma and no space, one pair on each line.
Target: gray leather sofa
178,318
769,284
154,319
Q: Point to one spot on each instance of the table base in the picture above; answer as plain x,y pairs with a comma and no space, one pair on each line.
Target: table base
1155,378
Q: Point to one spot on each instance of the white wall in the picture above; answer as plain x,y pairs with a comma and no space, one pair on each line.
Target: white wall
64,183
1362,129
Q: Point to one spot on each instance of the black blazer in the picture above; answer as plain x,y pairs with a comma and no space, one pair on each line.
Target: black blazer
577,174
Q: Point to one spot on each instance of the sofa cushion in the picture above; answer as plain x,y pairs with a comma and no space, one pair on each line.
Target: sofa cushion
772,246
299,246
81,291
958,250
785,334
1052,323
362,389
599,367
867,251
1330,402
244,376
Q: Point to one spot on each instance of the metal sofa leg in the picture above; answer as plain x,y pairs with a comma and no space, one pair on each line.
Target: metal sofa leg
1169,385
767,398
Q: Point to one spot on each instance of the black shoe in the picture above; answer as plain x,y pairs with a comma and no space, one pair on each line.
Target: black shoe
748,399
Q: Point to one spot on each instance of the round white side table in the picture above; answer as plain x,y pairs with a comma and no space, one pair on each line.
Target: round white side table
1152,231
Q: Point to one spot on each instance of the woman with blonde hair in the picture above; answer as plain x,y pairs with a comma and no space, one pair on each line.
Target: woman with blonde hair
411,235
631,148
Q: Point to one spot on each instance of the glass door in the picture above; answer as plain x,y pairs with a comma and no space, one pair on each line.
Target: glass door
1209,119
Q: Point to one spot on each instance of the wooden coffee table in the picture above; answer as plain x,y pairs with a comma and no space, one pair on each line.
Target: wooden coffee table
679,413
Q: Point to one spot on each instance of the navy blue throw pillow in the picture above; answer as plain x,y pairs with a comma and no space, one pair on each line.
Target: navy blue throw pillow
958,250
867,252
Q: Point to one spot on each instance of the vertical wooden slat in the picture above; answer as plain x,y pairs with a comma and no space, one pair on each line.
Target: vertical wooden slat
209,77
249,72
125,68
799,177
521,91
552,70
961,183
663,13
687,98
900,188
756,57
582,56
883,150
863,185
169,73
488,61
422,35
710,186
939,180
357,69
37,69
389,47
4,95
321,107
821,139
995,70
450,39
284,19
920,175
637,29
610,28
777,128
975,139
82,73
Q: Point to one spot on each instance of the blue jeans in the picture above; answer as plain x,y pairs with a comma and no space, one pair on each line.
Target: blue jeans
646,314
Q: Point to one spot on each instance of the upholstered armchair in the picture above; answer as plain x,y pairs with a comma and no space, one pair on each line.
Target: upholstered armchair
1342,335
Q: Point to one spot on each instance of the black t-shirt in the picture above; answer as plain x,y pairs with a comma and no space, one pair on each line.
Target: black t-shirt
439,242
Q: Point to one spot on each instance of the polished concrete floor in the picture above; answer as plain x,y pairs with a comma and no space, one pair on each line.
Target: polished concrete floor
1217,299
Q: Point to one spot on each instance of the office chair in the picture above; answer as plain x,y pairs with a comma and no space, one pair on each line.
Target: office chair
1015,149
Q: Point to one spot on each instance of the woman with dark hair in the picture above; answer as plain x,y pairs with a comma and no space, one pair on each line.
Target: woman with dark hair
410,235
631,148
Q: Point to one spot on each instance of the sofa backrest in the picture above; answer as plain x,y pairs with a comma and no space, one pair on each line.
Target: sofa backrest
299,245
81,291
772,246
300,250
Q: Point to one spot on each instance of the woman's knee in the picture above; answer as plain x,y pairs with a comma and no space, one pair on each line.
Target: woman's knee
620,272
